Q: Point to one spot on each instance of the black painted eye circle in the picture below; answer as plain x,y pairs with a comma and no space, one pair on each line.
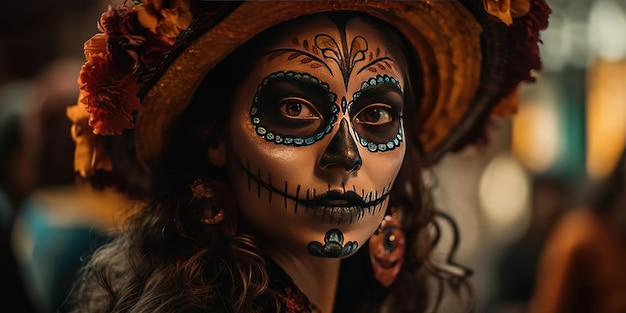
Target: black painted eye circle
293,109
374,115
377,123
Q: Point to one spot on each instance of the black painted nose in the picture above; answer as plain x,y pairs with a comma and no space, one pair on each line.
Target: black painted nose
342,151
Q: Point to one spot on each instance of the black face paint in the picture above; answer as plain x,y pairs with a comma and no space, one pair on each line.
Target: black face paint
333,246
342,151
305,54
376,62
293,109
331,206
376,113
345,58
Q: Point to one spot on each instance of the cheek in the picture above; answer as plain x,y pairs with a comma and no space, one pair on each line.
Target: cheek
382,167
248,146
254,152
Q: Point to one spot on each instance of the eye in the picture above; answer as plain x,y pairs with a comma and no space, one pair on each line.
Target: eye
298,108
374,115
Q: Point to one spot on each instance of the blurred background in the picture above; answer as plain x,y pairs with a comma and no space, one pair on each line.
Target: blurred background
506,197
567,135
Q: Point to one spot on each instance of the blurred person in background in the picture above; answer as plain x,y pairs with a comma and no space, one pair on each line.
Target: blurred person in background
14,185
33,35
517,266
583,265
16,176
59,222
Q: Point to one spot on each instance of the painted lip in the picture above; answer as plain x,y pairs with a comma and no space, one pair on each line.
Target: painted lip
336,215
336,207
336,198
339,207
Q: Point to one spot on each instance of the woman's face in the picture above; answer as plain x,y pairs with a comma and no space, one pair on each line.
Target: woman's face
316,137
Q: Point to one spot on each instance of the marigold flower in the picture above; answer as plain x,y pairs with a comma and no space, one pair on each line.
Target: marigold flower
89,154
524,53
506,10
526,49
95,46
165,21
109,97
108,21
144,46
130,37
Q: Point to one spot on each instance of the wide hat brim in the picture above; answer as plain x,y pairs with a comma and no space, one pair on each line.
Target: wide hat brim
462,53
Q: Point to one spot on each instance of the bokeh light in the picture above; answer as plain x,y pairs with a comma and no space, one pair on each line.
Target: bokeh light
504,189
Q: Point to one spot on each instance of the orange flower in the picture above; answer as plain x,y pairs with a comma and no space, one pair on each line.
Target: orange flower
506,10
129,39
89,155
109,97
96,46
165,21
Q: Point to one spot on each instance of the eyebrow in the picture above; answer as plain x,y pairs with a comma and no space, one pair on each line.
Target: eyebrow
310,89
296,53
379,90
303,88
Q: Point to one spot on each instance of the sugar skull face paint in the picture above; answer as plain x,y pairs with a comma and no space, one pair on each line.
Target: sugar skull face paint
293,109
315,139
298,109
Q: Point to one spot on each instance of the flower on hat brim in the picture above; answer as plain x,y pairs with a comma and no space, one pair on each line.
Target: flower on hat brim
527,19
507,10
165,21
129,38
89,155
145,30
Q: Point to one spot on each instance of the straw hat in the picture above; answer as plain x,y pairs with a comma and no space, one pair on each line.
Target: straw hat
143,67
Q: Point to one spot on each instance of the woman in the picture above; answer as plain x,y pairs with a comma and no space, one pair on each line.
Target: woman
276,149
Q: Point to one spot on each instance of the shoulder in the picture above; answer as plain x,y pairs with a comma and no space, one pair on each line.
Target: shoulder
576,233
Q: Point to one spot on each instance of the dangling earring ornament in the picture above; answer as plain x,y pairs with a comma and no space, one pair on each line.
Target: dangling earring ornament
216,219
204,196
386,248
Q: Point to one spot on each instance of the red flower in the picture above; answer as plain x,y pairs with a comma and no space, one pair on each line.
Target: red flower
145,46
525,31
128,42
523,60
109,97
107,81
90,154
165,18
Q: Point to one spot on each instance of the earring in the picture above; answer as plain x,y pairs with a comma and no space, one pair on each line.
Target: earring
204,196
386,249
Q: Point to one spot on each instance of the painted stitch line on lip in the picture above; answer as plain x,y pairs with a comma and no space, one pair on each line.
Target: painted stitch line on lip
337,205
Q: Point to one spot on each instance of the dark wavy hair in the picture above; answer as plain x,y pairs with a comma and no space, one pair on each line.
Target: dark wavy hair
167,260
